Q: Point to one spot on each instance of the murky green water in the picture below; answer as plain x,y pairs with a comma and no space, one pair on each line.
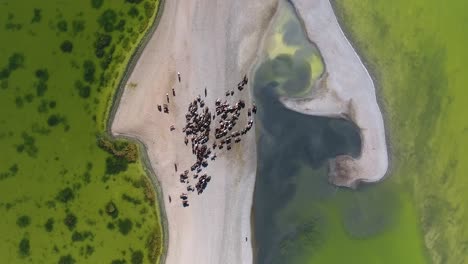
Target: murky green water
63,199
299,217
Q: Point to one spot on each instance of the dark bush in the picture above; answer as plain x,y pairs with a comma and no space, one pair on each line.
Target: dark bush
80,236
111,209
118,261
133,1
4,74
115,165
66,46
41,88
68,259
24,247
62,26
23,221
133,12
52,104
102,42
107,20
42,75
19,102
125,226
15,61
97,3
70,221
49,225
54,120
65,195
89,71
84,91
137,257
37,16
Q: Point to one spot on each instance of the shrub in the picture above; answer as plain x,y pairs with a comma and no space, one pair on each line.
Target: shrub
89,71
41,88
97,3
84,91
37,16
107,20
111,209
24,247
62,26
15,61
67,259
125,226
23,221
66,46
115,165
133,12
137,257
134,1
65,195
54,120
70,221
102,42
42,75
49,225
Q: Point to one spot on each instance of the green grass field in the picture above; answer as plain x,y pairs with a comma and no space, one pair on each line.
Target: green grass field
67,193
417,52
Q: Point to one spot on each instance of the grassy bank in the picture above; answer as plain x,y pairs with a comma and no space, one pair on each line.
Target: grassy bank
69,194
417,51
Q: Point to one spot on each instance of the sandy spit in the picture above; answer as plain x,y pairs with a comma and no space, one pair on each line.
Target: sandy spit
212,44
345,90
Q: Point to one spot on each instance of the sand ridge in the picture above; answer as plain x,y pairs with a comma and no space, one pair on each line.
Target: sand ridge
346,90
212,44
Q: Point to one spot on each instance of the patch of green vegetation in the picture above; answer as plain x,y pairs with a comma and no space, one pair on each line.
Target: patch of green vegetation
137,257
24,248
111,209
125,226
70,221
65,195
49,225
66,46
420,63
49,131
23,221
67,259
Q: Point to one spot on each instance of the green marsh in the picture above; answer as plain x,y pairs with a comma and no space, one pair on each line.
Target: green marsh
417,51
68,194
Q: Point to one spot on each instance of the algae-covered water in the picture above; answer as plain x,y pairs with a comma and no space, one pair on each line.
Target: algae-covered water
299,216
417,52
69,194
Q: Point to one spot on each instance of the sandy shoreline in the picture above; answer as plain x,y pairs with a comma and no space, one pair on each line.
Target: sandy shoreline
212,45
346,90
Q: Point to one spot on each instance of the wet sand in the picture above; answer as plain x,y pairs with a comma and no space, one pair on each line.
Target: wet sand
212,44
345,90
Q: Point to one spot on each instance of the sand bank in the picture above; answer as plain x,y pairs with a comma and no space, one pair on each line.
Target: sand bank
212,44
345,90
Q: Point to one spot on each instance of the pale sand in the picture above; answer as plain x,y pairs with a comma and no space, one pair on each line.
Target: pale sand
212,44
346,90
